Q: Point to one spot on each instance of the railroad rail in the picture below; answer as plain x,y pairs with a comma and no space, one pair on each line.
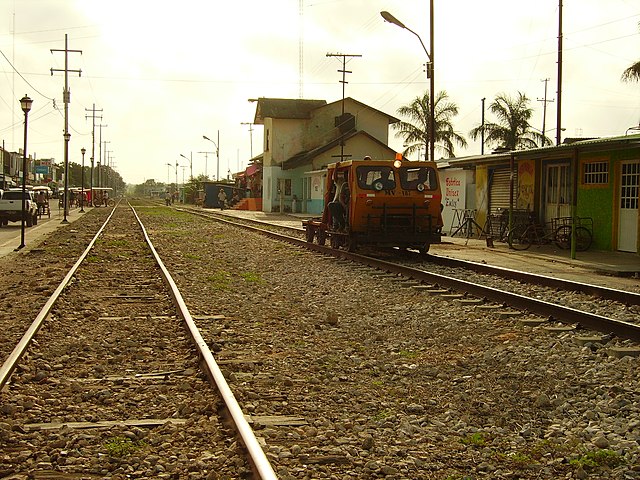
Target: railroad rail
556,312
100,356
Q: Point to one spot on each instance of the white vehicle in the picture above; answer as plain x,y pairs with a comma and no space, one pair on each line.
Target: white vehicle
11,207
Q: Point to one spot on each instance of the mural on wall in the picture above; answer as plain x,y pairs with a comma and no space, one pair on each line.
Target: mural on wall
526,182
453,186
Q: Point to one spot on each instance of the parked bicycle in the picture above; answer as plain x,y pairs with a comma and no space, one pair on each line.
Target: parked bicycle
558,231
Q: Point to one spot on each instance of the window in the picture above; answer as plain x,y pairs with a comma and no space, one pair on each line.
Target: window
418,178
287,187
376,178
595,173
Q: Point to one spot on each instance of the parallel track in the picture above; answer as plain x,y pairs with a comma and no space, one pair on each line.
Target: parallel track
535,306
99,353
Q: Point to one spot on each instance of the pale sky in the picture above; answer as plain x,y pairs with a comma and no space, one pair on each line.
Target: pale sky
166,73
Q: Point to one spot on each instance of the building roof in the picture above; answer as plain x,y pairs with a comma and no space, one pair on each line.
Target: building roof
298,108
285,108
563,150
307,156
366,107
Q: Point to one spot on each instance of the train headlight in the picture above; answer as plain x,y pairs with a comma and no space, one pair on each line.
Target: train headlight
420,187
397,163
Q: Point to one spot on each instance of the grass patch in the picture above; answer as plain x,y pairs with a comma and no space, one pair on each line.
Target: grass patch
597,458
219,280
192,256
382,415
252,277
121,446
407,354
118,243
475,440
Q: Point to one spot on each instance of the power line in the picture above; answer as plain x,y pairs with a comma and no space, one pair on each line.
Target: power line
22,77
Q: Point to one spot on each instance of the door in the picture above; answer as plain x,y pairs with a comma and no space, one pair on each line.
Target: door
557,192
628,213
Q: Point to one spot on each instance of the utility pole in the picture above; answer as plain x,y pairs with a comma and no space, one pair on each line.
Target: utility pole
482,131
100,162
344,72
250,134
99,157
544,109
206,158
66,97
93,141
559,111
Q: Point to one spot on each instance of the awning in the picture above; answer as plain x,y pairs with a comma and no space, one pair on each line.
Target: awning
253,169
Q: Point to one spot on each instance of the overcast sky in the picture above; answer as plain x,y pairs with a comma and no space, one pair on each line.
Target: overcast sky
166,73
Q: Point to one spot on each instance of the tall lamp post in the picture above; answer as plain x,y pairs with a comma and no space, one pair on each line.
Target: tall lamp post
190,158
176,169
25,103
83,151
217,154
430,74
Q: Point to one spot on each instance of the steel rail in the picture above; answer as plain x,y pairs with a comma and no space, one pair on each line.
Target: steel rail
557,312
630,298
606,293
258,457
12,360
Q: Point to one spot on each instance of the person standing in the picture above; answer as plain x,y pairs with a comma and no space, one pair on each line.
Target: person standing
222,198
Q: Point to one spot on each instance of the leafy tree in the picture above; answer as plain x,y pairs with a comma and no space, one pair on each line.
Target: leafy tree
513,130
415,131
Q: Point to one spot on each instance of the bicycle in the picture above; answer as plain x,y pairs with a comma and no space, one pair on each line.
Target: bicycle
522,237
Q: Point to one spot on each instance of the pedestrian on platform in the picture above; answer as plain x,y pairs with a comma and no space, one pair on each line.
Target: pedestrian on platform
222,198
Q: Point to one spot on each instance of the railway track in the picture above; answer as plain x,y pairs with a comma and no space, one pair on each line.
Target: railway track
546,300
348,371
107,380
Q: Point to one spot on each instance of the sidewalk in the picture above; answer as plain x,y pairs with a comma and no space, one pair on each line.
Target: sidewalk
33,236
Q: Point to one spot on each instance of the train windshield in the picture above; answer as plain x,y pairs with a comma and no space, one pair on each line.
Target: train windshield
376,178
418,178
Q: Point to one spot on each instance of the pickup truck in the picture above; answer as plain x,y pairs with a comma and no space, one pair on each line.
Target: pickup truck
11,207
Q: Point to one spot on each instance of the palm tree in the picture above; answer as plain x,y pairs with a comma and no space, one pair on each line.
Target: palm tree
415,131
513,130
632,74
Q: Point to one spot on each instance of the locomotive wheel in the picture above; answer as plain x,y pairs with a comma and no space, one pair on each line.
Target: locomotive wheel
334,241
322,237
310,233
425,248
352,244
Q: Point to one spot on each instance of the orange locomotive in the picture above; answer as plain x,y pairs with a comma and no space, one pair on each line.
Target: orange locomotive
384,203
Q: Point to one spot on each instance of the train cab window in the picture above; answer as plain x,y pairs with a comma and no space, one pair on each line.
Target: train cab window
418,178
376,178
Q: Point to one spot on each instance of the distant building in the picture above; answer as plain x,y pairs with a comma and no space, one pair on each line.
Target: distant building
301,137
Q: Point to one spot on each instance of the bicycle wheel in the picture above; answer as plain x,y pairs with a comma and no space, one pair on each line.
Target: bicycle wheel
584,239
520,237
562,237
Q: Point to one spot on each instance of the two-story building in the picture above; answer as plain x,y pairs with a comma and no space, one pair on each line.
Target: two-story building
301,137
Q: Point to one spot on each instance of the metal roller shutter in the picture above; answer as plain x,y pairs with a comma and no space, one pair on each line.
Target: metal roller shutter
499,188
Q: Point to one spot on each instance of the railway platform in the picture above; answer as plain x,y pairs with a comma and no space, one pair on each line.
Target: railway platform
10,234
543,259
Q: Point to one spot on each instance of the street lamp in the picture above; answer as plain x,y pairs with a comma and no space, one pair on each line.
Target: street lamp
250,135
190,158
176,169
217,154
430,74
83,151
25,103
